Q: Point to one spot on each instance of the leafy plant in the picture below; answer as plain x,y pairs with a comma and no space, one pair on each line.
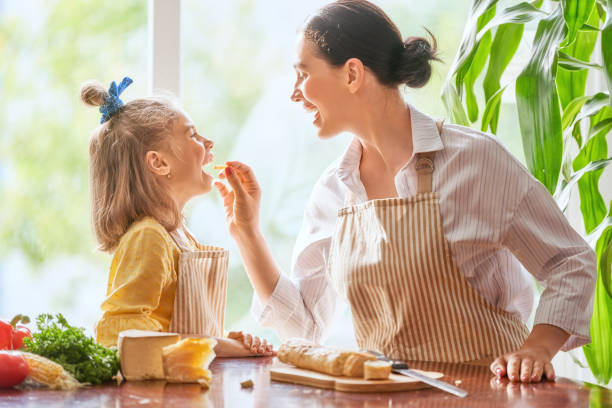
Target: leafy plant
563,129
79,354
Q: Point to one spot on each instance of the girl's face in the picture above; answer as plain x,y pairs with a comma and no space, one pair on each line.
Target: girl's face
320,88
190,151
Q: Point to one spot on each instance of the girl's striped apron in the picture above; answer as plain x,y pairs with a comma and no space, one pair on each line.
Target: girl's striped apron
390,259
199,304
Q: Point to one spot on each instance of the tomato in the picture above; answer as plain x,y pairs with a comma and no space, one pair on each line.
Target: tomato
19,334
6,336
13,369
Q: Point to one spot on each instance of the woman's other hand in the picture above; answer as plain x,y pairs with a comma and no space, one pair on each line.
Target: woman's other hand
241,203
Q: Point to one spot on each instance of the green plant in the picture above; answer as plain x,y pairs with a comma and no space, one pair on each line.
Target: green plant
563,129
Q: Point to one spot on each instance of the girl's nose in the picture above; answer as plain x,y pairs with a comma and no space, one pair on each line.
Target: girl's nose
296,96
208,144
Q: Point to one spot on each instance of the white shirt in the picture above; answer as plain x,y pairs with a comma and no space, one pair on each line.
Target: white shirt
495,216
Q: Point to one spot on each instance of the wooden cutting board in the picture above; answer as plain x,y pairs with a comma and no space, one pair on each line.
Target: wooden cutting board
287,373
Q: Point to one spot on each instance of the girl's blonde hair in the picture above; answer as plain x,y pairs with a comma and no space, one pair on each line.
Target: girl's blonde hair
123,190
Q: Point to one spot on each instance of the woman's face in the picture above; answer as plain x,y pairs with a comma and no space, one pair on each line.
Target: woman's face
320,88
190,152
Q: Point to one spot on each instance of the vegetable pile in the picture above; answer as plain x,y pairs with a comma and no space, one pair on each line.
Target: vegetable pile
79,354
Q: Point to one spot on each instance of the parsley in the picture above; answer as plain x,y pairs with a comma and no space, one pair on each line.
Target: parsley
79,354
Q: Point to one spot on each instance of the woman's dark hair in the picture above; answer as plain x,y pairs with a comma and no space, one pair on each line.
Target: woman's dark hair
359,29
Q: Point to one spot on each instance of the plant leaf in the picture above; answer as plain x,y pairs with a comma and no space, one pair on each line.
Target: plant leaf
468,45
518,14
572,84
575,13
592,205
562,195
505,43
453,105
599,352
491,109
606,48
538,103
602,126
571,110
478,63
593,106
574,64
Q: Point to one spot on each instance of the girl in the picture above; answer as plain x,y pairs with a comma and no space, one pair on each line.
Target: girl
146,162
421,227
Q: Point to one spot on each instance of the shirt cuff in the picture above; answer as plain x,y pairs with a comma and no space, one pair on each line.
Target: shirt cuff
280,306
578,330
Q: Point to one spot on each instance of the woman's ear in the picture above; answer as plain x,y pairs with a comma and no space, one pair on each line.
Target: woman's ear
355,72
156,163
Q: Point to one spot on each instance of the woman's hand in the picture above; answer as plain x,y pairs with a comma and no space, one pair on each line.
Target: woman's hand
253,343
242,202
533,360
527,365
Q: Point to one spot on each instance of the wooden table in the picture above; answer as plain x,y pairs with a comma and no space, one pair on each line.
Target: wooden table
484,389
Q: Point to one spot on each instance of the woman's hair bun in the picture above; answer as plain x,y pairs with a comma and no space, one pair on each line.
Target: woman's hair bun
93,93
414,65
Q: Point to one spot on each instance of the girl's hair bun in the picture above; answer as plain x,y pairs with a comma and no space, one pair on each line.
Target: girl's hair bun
93,93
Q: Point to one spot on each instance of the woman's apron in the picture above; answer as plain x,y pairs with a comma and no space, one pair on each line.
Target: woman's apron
199,305
390,259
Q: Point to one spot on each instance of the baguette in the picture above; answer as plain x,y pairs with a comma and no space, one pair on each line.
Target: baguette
327,360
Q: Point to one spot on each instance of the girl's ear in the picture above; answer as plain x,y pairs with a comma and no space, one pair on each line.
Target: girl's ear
355,72
156,163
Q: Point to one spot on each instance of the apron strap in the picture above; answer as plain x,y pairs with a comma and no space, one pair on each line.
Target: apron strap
425,167
180,239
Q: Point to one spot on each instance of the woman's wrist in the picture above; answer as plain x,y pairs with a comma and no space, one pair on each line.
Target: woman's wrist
547,338
246,235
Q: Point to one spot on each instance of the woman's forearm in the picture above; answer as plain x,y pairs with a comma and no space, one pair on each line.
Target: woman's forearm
258,261
546,337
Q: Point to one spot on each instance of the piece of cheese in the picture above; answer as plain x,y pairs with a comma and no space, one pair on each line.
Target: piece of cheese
140,352
187,361
376,370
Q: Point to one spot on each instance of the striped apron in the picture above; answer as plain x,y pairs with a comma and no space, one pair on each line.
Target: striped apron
199,304
390,260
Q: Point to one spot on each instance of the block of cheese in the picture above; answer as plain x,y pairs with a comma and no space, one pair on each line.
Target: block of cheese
328,360
187,361
376,370
140,352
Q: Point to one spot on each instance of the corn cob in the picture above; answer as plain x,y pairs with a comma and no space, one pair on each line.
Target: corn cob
49,373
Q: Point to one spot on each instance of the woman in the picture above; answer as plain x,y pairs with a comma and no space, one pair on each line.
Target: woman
422,228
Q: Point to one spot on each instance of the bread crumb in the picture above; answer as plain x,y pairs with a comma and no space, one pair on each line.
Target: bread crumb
246,384
457,382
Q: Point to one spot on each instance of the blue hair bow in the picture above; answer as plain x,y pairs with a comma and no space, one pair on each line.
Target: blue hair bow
113,103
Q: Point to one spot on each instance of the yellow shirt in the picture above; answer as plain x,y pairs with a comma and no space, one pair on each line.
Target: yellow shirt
142,282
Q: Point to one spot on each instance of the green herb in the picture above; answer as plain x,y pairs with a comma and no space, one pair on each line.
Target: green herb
79,354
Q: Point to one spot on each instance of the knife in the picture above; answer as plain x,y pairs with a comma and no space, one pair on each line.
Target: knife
402,368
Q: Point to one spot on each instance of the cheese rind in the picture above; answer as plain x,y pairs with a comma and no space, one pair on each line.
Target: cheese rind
140,353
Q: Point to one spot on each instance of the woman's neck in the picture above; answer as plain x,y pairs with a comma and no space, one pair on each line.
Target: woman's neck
385,132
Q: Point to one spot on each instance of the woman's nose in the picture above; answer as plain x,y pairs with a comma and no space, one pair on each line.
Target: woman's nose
296,96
